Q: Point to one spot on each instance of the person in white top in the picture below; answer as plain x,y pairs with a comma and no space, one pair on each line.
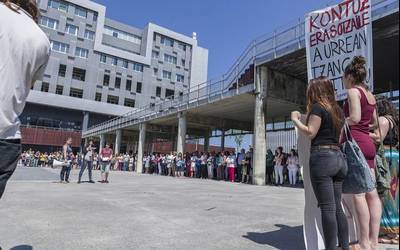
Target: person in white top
293,166
24,54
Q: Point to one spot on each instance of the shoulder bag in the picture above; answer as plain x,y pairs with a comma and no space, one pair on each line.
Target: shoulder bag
359,178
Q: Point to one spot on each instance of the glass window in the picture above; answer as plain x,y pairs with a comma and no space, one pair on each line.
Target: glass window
155,72
155,54
122,35
169,59
80,12
45,87
80,52
106,80
167,74
59,47
89,34
95,15
97,98
128,85
138,67
71,29
125,64
182,46
158,91
112,99
183,62
139,87
114,61
169,93
180,78
78,93
103,58
49,22
129,102
62,69
117,82
78,74
167,41
59,89
59,5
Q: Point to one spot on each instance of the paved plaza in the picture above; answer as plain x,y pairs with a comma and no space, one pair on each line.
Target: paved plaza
147,212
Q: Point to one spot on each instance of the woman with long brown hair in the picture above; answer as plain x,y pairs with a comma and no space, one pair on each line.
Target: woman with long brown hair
360,114
328,166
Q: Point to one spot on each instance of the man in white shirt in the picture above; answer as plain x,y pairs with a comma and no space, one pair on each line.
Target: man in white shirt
24,54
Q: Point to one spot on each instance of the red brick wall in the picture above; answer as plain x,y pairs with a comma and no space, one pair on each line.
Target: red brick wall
49,137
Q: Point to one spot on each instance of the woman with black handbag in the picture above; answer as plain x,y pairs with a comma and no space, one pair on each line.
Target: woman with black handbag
327,163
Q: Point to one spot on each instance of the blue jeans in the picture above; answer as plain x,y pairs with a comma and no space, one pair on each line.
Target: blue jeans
328,168
64,174
89,165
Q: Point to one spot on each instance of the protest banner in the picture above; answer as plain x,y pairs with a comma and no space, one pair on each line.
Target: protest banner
334,35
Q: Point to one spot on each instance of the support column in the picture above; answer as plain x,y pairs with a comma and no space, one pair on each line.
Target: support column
207,142
141,145
118,137
222,140
259,135
85,122
181,138
102,142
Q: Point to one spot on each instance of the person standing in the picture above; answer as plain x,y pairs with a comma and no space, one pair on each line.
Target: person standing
270,167
328,166
87,161
278,168
293,166
106,156
360,114
240,160
388,118
68,161
231,160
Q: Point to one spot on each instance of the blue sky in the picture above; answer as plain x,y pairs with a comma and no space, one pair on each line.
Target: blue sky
224,27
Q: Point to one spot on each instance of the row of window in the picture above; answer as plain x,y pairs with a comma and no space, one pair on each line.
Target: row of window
64,48
117,83
64,6
78,93
122,35
168,58
138,67
167,41
168,75
69,28
77,73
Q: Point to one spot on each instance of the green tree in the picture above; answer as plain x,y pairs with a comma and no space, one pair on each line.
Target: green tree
239,142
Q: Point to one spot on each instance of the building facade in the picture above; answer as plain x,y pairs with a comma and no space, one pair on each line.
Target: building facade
100,68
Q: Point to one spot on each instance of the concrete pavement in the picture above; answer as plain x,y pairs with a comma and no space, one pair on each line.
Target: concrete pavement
147,212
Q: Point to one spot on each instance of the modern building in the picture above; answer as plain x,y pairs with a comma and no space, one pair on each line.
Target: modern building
100,68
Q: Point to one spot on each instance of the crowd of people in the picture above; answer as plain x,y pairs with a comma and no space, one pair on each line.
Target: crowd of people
281,168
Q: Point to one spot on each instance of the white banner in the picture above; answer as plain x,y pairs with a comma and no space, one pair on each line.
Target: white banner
335,35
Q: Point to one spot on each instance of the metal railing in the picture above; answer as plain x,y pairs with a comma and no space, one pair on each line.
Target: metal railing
283,40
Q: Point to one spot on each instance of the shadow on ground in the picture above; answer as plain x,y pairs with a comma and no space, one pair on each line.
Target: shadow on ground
285,238
22,247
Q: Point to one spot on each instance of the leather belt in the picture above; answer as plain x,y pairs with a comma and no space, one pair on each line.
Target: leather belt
333,147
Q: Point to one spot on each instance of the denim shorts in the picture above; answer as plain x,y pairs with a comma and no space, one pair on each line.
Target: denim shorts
105,167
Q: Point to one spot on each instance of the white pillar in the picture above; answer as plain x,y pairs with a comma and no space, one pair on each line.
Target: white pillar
259,135
222,140
141,142
102,142
181,138
118,137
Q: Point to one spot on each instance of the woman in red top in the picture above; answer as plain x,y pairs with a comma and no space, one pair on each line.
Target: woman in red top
360,114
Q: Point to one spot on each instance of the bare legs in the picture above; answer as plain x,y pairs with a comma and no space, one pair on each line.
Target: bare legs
369,209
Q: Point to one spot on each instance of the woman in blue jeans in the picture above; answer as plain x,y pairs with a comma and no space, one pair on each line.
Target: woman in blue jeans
328,166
